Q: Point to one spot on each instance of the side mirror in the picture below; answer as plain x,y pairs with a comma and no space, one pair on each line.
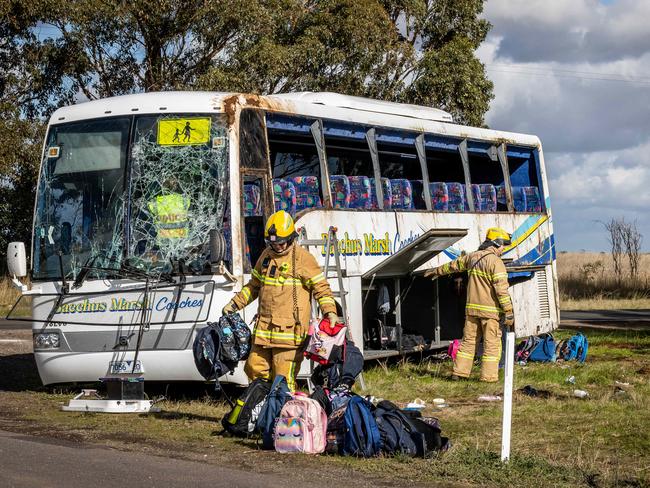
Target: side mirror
217,245
17,259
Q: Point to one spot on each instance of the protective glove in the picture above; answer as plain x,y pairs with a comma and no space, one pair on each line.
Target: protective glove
332,317
509,320
229,308
431,273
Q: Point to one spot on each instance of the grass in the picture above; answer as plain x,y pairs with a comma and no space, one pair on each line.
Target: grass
561,441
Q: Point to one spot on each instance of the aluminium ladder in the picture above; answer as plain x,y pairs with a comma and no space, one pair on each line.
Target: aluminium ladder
328,242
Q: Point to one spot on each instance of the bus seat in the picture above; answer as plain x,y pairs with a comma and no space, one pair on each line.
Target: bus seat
439,196
501,194
386,189
340,191
476,196
359,191
402,194
488,197
284,195
418,194
252,201
307,192
518,198
533,201
456,193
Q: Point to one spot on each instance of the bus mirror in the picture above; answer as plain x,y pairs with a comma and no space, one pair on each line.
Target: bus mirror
16,259
217,246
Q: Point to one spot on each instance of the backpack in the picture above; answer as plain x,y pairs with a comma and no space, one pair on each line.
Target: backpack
302,427
362,436
240,421
344,368
275,400
399,435
525,347
574,348
324,342
336,431
219,346
544,350
453,348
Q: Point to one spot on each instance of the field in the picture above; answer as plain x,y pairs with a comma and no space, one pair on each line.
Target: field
602,440
587,282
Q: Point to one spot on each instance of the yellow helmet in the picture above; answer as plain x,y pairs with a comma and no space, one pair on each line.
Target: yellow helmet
279,227
498,236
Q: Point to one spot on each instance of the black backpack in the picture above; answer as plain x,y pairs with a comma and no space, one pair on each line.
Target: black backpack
398,432
240,421
219,346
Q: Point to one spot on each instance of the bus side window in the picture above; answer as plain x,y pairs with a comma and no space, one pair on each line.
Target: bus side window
294,163
487,176
525,180
253,219
446,175
399,163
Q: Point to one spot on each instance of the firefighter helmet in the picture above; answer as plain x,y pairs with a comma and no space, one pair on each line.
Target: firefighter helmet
498,236
280,228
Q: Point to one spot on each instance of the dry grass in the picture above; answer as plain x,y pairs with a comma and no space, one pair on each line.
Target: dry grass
587,281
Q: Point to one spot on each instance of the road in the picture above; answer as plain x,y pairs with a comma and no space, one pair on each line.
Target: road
29,461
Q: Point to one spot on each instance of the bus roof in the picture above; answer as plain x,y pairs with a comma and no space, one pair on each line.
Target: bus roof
309,104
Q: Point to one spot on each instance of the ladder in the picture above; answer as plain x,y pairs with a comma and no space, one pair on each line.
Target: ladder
328,242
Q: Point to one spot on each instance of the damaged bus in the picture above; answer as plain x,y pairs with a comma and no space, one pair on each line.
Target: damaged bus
150,211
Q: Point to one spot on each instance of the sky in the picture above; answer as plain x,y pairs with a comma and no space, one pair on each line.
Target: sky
576,73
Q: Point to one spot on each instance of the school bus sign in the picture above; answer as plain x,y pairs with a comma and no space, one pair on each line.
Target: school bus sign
183,132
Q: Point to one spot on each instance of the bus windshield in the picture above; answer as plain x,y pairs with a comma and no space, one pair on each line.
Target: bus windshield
143,191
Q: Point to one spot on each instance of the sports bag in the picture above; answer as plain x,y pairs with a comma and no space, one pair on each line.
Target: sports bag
302,427
219,346
324,341
544,350
398,432
362,436
574,348
278,395
525,347
241,420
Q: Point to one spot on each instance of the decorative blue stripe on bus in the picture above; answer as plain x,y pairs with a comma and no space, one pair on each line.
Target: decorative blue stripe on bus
542,254
520,274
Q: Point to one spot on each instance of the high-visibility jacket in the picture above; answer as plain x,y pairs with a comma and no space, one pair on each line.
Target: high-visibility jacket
487,287
171,215
284,295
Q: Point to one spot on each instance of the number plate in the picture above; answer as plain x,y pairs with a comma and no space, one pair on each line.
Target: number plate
117,367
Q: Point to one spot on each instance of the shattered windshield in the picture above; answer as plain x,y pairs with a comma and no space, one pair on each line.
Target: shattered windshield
104,202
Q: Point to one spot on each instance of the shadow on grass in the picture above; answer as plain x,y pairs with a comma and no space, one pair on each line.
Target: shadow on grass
19,373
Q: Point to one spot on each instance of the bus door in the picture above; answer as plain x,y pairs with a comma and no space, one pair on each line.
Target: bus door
401,308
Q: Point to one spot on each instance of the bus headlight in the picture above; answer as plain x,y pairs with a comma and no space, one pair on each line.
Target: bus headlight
47,340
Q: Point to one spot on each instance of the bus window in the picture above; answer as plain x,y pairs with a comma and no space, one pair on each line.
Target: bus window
252,140
486,176
294,163
253,219
525,180
446,175
398,161
349,165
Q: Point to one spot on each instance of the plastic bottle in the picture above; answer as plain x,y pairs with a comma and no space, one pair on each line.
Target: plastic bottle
580,394
234,415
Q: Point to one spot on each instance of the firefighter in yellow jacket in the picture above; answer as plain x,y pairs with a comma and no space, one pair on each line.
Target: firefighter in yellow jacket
488,301
284,279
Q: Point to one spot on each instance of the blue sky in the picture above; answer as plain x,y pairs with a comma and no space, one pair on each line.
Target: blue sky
577,74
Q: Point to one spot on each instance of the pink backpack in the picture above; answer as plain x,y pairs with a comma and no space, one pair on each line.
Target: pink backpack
454,346
323,340
301,427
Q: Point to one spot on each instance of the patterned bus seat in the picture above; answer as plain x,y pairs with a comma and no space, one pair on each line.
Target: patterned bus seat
518,198
252,201
386,190
487,195
456,193
533,201
402,194
307,192
340,191
439,196
284,195
476,196
359,191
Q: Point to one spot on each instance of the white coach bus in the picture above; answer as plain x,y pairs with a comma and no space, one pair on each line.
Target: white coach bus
150,210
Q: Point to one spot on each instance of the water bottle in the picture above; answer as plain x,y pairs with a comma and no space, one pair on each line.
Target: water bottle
234,415
580,394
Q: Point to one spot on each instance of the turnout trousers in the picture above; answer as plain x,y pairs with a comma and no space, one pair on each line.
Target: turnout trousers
477,329
268,362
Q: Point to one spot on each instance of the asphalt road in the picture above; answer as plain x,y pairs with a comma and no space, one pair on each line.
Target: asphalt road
29,461
605,315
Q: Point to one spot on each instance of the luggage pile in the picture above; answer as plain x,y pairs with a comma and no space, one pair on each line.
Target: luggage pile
544,348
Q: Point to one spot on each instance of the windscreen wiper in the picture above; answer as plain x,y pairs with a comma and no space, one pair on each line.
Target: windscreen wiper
83,273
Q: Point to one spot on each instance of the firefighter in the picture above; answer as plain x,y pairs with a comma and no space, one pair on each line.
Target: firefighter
488,302
284,279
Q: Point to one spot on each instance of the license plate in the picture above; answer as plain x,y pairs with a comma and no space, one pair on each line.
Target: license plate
117,367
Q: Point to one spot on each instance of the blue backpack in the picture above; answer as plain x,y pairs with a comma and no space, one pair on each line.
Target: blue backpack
275,400
544,350
362,437
574,348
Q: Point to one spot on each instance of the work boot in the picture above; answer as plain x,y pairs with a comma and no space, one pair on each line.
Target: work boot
455,377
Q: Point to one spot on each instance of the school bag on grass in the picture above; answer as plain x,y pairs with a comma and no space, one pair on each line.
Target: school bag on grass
544,351
278,395
398,433
362,436
575,347
301,427
525,347
241,420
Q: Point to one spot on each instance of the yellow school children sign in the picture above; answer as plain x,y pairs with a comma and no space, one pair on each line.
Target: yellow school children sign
183,132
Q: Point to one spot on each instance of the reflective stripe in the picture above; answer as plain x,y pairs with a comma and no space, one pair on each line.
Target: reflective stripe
281,281
504,299
488,276
257,275
465,355
485,308
272,334
499,276
325,300
491,359
316,279
246,292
